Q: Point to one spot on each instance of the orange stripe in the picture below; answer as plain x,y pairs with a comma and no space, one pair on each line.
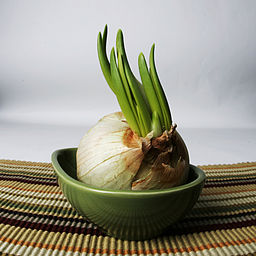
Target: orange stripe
112,251
162,250
182,250
169,250
91,250
5,239
208,246
155,251
45,246
175,250
120,251
216,245
202,247
235,242
27,243
77,248
51,246
74,248
105,251
85,249
98,251
190,249
196,248
221,244
248,240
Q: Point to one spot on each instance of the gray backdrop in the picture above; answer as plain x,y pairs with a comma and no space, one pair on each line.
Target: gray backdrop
205,56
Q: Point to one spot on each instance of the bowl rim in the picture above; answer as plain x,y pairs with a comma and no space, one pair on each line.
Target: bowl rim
67,178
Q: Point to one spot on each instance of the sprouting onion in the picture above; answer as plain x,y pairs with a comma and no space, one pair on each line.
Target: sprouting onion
137,148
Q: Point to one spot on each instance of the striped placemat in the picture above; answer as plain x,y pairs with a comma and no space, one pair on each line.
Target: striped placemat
36,219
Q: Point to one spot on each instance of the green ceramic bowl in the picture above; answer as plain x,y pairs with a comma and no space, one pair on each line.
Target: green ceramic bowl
132,215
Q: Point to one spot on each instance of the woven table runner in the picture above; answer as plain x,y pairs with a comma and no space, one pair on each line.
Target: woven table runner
36,219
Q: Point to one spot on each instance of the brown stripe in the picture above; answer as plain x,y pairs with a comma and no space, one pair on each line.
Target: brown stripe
26,180
229,184
226,192
43,218
50,227
31,190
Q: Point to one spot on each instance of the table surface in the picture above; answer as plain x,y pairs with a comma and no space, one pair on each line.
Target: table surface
36,142
36,219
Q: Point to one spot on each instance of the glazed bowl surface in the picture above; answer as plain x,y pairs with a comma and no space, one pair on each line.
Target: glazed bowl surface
126,214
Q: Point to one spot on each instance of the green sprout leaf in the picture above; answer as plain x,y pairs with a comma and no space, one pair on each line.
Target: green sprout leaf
144,106
159,90
121,94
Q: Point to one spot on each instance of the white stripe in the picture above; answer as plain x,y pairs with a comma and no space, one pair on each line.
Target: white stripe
220,174
32,171
26,166
45,202
235,249
16,192
231,169
3,245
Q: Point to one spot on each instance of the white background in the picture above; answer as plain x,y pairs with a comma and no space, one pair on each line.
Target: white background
52,89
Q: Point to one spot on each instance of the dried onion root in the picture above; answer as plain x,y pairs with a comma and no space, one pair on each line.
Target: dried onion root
137,148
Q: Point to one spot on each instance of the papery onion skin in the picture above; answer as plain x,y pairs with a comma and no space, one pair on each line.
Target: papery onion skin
166,165
110,154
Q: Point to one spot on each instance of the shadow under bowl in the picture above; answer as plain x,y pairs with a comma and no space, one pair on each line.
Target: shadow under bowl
126,214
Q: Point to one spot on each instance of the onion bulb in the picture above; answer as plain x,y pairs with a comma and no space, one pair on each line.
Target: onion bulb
138,148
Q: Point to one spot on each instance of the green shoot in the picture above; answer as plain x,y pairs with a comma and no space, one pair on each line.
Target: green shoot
144,106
